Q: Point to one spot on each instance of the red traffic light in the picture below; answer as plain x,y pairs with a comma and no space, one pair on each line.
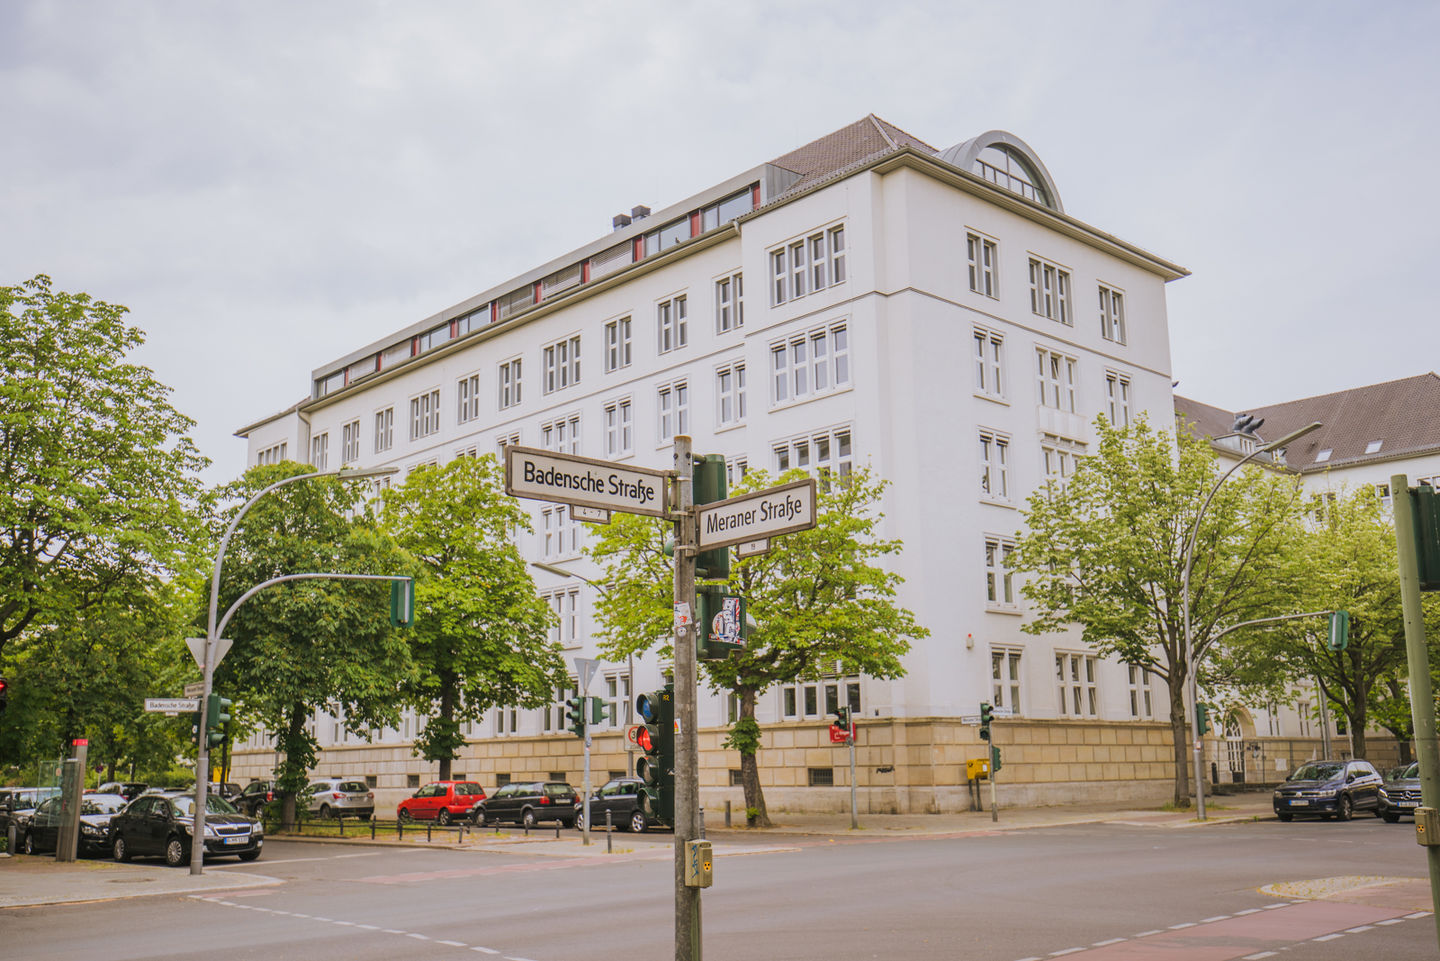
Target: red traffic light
642,738
4,687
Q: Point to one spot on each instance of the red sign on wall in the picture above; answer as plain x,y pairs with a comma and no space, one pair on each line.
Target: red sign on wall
838,734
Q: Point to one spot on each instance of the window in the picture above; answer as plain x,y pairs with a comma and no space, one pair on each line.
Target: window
1382,494
1050,291
562,435
999,579
320,451
814,362
350,442
424,414
667,236
738,203
1138,682
1302,712
736,468
819,698
619,436
807,266
566,605
559,533
824,453
1324,455
821,776
434,338
730,394
507,440
671,324
1272,717
617,344
994,469
617,700
552,718
273,454
674,410
1117,398
981,253
1075,680
509,383
1373,447
384,429
467,393
1056,380
561,363
507,720
1112,314
729,305
1058,456
989,356
1005,678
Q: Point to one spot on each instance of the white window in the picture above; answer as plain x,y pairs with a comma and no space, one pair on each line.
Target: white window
810,363
1112,314
619,433
559,533
508,381
1005,678
1050,291
671,324
617,344
674,407
507,440
424,414
467,394
1058,456
552,718
617,700
273,454
989,362
1056,379
566,605
730,394
808,265
823,453
384,429
1302,712
350,442
729,304
820,698
560,364
1117,398
981,253
1272,717
736,468
320,451
1138,683
561,435
994,464
1075,681
999,579
507,721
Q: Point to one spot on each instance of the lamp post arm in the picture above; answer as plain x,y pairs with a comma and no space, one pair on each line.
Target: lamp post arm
301,577
1259,620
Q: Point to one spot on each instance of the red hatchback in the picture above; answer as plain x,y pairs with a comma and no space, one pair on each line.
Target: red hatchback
442,801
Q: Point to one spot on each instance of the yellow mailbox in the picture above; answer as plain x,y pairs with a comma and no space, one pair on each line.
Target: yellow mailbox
976,768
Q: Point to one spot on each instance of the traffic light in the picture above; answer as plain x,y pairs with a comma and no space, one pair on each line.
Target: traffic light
195,728
4,693
995,764
575,715
1339,630
1202,719
599,710
987,713
710,486
402,602
719,622
217,716
656,767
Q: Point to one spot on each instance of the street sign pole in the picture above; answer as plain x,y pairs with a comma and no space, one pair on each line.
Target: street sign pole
687,744
854,817
585,670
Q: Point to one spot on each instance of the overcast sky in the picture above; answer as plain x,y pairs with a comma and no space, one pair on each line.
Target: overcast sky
270,185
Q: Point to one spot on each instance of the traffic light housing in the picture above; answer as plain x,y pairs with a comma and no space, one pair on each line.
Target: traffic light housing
656,767
995,764
575,715
720,623
4,693
842,717
1339,630
217,716
711,484
987,713
1202,719
402,602
599,710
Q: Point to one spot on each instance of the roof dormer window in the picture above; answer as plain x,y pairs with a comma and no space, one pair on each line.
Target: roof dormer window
1323,456
1373,447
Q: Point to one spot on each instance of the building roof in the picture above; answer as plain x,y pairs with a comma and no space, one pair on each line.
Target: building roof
1403,416
863,140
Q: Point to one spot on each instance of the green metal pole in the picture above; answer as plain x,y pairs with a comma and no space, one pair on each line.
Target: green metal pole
1422,698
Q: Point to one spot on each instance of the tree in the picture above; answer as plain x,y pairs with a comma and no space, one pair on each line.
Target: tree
481,635
96,471
1106,552
305,645
821,602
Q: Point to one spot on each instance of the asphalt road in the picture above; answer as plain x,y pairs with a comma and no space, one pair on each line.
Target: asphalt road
1101,892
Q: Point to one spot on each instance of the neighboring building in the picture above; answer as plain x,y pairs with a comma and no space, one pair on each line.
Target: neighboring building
864,299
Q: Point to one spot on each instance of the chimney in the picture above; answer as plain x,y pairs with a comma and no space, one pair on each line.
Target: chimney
640,212
619,221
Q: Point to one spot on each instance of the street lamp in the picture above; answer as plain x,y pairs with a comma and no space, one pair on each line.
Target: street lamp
1192,688
202,758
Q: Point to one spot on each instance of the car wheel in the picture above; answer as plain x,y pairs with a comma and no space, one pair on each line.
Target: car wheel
120,851
1346,809
175,852
249,855
29,845
528,818
404,815
1391,817
325,812
637,822
1285,816
579,820
443,818
1379,813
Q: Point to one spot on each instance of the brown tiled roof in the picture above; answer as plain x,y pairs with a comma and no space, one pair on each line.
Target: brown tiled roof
1404,415
860,141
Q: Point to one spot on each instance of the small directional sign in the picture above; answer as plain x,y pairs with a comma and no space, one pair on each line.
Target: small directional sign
758,516
172,705
970,719
195,690
603,485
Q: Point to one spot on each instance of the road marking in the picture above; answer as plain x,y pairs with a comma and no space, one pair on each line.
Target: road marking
453,944
1417,915
1057,954
391,931
1363,927
1329,937
1101,944
1218,917
369,927
1257,957
1272,907
1146,934
417,937
1247,911
1390,921
476,947
1182,924
345,924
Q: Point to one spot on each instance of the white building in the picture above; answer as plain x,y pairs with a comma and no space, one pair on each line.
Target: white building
932,313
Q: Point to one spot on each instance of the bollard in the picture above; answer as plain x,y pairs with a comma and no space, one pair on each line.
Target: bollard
342,826
557,829
609,846
427,833
372,827
527,830
727,814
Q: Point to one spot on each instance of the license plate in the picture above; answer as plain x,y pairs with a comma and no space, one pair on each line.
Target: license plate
1408,804
238,839
1299,804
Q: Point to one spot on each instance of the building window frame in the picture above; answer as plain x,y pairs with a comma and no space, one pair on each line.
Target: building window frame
729,303
982,256
672,324
425,414
989,357
1077,683
384,429
320,451
807,265
467,399
619,421
826,452
1055,379
1112,314
560,364
561,435
618,344
672,410
810,363
1000,589
1117,398
994,447
508,382
730,394
1050,291
350,442
1007,678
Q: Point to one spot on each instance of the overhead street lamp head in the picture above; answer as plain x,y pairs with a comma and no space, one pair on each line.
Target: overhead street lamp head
1291,437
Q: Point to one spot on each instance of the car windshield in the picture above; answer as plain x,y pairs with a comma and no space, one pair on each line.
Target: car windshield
354,786
1317,772
185,805
102,805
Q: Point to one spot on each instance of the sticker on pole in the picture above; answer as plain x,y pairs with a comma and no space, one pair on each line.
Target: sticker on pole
682,615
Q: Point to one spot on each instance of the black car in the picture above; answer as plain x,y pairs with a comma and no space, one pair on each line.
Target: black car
157,825
527,803
129,790
254,796
42,830
621,797
1400,794
18,803
1329,789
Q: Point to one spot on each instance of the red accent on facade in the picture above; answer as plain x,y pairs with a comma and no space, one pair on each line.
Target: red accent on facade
694,223
537,291
755,197
639,253
347,376
454,328
585,272
494,311
415,346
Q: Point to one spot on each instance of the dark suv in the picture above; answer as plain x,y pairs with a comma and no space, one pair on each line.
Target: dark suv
621,797
254,796
1329,789
1400,794
527,803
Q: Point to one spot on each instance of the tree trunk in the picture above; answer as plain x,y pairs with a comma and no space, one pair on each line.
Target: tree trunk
1357,723
1181,740
294,730
755,814
447,712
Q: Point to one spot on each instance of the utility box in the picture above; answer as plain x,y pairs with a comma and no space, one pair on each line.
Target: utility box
1427,827
698,861
977,768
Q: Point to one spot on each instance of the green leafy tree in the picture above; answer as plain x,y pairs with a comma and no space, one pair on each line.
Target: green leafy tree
1106,552
481,635
821,600
97,475
303,646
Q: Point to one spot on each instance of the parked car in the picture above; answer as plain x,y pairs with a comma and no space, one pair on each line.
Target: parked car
42,830
1329,789
18,803
155,825
229,790
338,798
527,803
129,790
1400,793
254,796
621,797
441,801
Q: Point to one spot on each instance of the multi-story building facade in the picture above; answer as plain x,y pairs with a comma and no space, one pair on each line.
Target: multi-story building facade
865,299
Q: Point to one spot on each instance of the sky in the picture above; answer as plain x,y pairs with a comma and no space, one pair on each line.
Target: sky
268,186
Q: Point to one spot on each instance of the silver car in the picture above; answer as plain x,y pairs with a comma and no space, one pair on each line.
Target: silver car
341,797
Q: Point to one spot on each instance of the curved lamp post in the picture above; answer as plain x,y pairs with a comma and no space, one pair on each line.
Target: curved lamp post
1192,690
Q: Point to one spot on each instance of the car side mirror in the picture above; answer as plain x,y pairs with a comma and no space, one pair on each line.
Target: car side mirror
1350,777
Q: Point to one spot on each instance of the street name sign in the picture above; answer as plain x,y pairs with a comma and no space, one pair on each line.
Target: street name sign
970,719
172,705
758,516
195,690
603,485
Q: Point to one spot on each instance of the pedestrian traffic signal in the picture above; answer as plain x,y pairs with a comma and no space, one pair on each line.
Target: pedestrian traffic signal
575,715
1202,719
656,767
217,716
711,485
986,714
1339,630
4,693
402,602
